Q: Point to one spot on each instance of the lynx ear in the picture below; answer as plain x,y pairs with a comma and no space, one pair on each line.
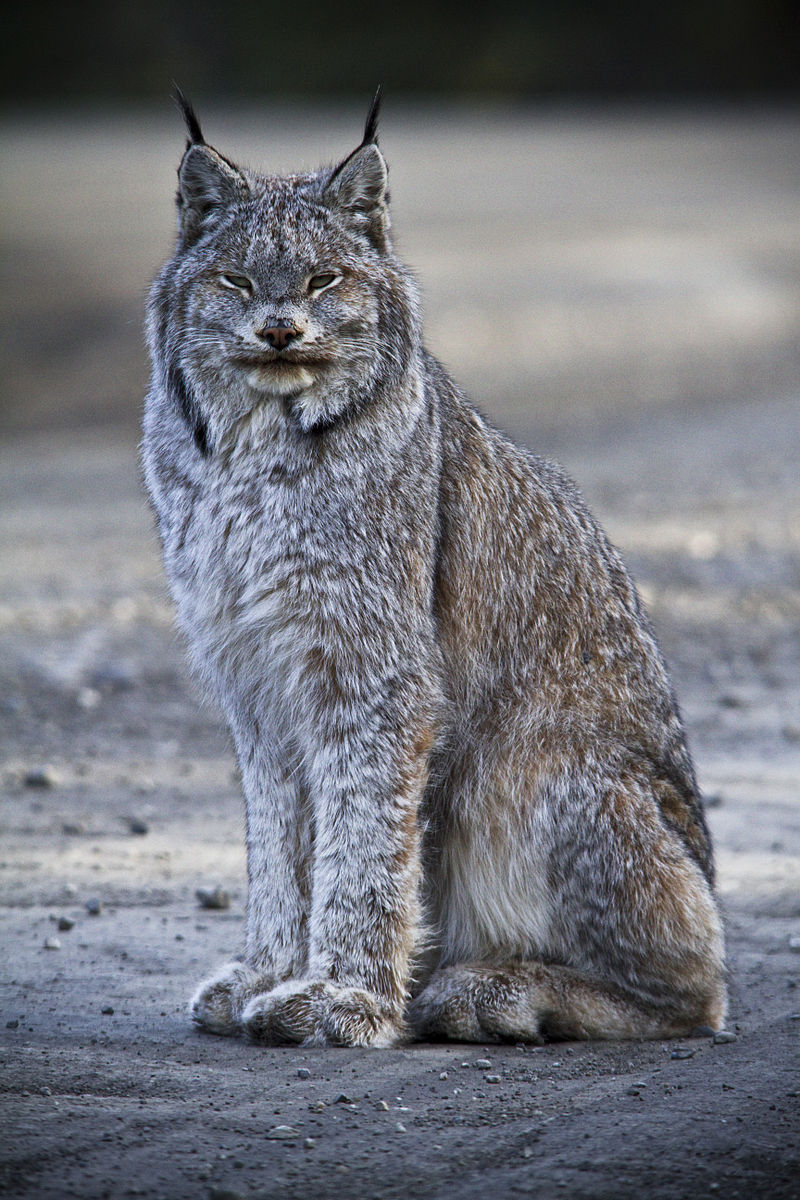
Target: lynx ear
359,185
207,182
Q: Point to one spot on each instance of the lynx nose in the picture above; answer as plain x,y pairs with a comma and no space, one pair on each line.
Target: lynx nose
279,335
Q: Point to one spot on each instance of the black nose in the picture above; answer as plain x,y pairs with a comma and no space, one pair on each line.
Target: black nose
279,335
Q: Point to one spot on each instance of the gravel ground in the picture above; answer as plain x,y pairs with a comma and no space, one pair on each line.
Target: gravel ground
642,271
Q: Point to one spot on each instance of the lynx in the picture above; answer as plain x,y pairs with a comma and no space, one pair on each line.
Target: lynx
471,812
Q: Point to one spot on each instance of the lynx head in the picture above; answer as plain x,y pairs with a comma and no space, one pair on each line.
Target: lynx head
281,288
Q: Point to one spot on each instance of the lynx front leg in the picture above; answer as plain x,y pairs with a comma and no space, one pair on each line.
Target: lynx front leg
367,779
278,857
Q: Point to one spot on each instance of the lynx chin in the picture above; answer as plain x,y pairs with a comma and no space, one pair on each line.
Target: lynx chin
471,812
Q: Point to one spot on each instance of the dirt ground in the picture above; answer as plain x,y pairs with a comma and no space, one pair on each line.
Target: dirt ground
640,275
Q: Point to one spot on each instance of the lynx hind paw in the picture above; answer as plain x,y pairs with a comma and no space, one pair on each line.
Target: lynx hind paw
471,1004
218,1003
320,1014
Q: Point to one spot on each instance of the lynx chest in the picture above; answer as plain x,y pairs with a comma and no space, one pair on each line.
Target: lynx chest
248,569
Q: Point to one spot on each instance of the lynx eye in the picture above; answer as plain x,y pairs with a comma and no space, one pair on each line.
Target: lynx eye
240,282
324,280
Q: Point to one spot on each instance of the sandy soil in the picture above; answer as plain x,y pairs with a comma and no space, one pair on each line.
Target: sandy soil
639,273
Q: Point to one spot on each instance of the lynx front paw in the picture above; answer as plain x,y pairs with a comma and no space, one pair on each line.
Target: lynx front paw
321,1014
218,1003
474,1004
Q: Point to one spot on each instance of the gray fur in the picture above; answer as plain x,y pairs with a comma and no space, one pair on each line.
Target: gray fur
470,807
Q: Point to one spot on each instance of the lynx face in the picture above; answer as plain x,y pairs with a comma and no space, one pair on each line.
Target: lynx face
287,289
281,314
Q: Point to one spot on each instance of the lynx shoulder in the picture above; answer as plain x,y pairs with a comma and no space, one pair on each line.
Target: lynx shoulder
471,812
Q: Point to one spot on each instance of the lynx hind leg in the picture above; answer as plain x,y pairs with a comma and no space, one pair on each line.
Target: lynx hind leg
219,1002
527,1001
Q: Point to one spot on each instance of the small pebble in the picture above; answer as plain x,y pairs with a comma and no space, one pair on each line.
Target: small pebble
317,1106
527,1152
88,698
343,1099
400,1127
65,924
443,1074
723,1036
107,1010
12,1024
483,1064
283,1133
794,942
682,1052
41,777
309,1143
94,907
303,1073
492,1079
216,897
73,828
52,943
113,677
382,1106
137,825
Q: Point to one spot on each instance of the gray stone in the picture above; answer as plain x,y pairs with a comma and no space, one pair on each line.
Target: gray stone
283,1133
41,777
217,898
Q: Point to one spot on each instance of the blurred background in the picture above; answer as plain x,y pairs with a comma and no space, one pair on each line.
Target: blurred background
613,189
518,135
102,51
613,186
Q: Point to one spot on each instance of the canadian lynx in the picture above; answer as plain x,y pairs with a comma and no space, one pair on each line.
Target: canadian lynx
471,812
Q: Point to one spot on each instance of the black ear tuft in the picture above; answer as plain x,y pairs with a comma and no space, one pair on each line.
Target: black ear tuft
192,124
371,127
